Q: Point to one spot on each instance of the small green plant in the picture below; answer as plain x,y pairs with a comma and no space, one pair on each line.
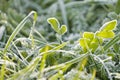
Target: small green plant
91,41
56,26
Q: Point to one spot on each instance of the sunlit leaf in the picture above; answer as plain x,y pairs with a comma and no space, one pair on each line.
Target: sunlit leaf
105,34
84,42
97,40
111,25
88,35
100,40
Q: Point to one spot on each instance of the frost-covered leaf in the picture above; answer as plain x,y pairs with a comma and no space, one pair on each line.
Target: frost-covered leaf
54,23
105,34
111,25
63,29
88,35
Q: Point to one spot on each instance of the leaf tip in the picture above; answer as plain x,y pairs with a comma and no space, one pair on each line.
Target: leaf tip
49,20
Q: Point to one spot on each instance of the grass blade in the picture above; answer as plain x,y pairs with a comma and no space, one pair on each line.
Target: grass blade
18,28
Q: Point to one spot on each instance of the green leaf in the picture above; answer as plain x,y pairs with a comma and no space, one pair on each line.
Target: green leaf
88,35
54,23
56,26
100,40
63,29
95,43
105,34
111,25
93,46
97,40
84,42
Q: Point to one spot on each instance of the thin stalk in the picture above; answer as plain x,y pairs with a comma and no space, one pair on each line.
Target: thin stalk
32,31
21,58
40,35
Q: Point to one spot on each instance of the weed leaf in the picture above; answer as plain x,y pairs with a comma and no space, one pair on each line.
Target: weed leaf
88,35
106,31
111,25
105,34
63,29
54,23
